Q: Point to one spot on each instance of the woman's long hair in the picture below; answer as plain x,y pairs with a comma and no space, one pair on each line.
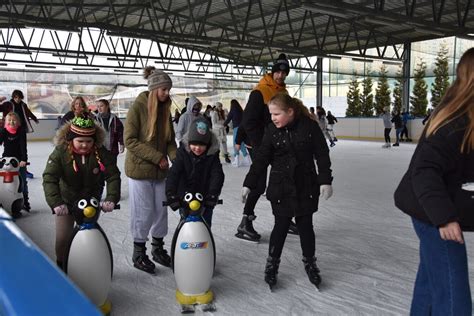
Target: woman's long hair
235,106
158,114
457,102
285,102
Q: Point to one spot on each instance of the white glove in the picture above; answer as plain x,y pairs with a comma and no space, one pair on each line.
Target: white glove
120,148
326,191
61,210
108,206
245,192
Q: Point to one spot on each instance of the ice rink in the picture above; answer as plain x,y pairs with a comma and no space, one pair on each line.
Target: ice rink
366,248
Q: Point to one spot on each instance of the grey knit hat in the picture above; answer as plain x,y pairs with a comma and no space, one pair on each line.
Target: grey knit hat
281,64
158,79
199,132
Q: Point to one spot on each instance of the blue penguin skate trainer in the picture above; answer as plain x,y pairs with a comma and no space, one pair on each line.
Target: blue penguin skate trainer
89,262
193,256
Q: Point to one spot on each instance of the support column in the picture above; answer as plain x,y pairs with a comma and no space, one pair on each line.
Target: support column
319,82
406,77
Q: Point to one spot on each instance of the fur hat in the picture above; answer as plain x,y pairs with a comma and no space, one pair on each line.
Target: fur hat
281,64
199,132
81,126
157,78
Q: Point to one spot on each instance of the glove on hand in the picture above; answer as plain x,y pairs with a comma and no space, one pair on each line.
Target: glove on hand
326,191
210,201
174,202
121,148
108,206
245,192
61,210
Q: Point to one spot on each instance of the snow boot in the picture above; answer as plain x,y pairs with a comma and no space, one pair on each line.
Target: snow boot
140,259
293,229
396,144
312,270
227,158
246,230
271,271
159,254
332,143
334,139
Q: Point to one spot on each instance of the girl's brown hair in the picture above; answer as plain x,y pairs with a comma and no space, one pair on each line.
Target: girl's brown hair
83,103
158,114
285,102
106,102
457,102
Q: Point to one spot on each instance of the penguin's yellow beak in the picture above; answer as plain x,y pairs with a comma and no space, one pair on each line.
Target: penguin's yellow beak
194,205
89,211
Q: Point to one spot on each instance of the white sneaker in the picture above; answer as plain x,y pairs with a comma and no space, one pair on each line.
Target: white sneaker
236,162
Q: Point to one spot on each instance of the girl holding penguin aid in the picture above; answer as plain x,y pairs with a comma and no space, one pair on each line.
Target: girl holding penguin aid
76,168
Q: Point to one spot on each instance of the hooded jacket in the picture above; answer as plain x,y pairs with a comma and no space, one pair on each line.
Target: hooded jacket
143,156
186,119
63,185
190,173
24,113
256,114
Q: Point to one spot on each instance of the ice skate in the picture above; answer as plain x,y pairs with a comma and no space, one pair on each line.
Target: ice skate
271,271
312,270
141,260
226,158
292,229
246,231
160,255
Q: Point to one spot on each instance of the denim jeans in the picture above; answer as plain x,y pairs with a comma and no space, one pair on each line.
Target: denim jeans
243,149
442,281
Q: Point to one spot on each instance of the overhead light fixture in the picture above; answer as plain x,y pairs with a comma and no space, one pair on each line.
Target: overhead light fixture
324,10
168,62
363,60
126,70
194,74
381,21
131,60
3,64
39,66
86,69
70,55
15,51
429,31
333,57
72,29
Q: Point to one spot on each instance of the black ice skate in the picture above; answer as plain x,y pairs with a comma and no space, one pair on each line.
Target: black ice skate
312,270
160,255
271,271
141,260
293,229
246,231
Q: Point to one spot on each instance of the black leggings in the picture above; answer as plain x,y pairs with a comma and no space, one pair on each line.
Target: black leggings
386,133
254,195
280,230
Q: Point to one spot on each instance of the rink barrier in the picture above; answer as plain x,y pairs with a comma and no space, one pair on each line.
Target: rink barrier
30,284
370,128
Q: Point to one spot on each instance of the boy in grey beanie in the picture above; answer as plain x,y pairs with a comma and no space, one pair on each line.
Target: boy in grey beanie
196,169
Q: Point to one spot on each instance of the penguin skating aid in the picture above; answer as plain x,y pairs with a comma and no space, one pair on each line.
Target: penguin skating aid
89,262
11,193
193,257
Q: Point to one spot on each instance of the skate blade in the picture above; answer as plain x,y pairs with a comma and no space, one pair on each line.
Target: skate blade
187,309
244,237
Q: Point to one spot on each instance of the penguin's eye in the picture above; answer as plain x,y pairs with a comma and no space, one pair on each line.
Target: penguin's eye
199,197
82,203
94,202
188,197
14,163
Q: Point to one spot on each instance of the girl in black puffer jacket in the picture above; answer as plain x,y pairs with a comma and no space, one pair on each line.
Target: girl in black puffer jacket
290,145
437,191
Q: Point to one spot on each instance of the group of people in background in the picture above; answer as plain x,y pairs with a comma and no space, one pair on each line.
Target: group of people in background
400,122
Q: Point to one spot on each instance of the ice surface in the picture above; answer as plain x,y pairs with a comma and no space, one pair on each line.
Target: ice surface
367,250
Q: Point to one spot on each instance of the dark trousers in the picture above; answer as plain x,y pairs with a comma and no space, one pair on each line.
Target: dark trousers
404,132
386,134
280,230
254,195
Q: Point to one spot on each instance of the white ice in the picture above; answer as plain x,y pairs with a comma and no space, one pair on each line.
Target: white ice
366,248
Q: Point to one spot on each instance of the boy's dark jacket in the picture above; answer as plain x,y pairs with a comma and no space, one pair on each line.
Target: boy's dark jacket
293,186
430,190
190,173
62,185
14,145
